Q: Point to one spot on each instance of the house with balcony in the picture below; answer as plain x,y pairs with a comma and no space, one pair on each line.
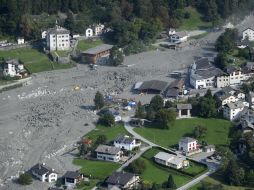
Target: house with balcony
109,153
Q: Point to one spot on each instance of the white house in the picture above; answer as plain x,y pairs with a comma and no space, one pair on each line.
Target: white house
126,142
58,39
171,31
203,73
20,40
122,180
13,68
248,34
43,34
235,75
44,173
98,29
89,32
109,153
171,160
71,178
189,146
179,37
232,111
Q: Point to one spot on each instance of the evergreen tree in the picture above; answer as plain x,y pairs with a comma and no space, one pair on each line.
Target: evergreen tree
99,100
116,56
156,103
140,111
170,183
25,179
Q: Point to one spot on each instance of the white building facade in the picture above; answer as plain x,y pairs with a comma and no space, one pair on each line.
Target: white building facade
126,143
248,34
108,153
189,146
44,174
58,39
12,68
232,111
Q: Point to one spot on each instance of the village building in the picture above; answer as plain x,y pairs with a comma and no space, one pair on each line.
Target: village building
58,39
179,37
248,70
189,146
72,178
123,180
44,173
235,75
175,90
232,111
151,87
137,122
108,153
203,74
43,34
89,32
98,55
241,44
248,34
247,120
98,29
250,98
126,142
20,40
13,68
183,110
209,149
171,31
171,160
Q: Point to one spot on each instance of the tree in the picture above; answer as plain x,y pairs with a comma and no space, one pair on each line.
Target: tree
207,107
168,104
166,117
108,119
69,22
99,100
83,150
25,179
226,42
140,111
199,132
156,103
101,139
171,183
116,56
137,167
221,60
234,175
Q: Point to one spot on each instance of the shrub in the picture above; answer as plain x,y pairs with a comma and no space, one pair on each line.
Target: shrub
25,179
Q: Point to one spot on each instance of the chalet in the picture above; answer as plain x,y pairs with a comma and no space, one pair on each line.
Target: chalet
97,55
126,142
179,37
123,180
44,173
109,153
175,89
232,111
183,110
13,68
72,178
248,34
171,160
189,146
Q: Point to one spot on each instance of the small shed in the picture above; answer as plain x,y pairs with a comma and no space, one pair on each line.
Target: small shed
209,148
183,110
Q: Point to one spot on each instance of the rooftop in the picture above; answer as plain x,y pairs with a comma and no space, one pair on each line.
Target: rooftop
108,149
13,62
41,169
174,159
235,105
182,34
71,174
179,83
156,85
58,30
187,140
98,49
184,106
123,139
120,178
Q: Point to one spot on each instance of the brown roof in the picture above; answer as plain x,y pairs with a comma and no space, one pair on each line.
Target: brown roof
177,84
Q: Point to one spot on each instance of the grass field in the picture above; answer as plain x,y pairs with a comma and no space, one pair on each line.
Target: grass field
194,22
110,132
34,60
97,169
213,181
84,45
217,131
159,174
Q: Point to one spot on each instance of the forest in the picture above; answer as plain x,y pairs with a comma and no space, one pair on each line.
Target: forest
132,21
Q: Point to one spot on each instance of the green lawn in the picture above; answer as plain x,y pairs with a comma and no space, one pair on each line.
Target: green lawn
194,22
34,60
110,132
159,174
217,131
213,181
84,45
97,169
